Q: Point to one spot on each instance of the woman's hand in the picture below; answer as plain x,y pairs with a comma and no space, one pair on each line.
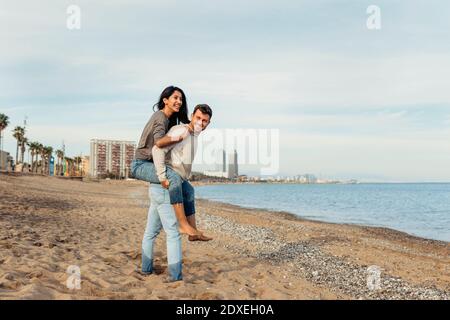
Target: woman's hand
186,133
182,136
165,184
177,138
179,134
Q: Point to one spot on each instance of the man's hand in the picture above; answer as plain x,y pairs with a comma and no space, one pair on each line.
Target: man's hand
165,184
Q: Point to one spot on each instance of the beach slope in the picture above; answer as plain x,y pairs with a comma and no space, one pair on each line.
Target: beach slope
50,227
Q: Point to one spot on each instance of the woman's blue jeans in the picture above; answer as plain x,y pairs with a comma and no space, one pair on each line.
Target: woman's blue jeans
161,214
180,191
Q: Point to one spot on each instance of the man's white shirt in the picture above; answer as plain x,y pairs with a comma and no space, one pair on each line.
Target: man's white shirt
178,156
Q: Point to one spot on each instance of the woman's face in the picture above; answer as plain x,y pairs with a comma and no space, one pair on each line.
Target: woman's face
174,102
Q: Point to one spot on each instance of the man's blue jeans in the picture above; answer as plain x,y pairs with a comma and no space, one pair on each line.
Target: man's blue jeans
180,191
161,214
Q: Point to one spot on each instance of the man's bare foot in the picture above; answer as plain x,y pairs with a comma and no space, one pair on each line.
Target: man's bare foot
194,238
189,231
205,238
199,238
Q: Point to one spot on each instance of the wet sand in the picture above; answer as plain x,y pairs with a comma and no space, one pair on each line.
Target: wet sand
48,224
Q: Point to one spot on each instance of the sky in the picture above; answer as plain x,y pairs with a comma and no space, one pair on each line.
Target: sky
348,102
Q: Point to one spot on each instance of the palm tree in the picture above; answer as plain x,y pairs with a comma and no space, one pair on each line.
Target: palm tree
48,155
60,156
65,165
18,134
4,121
41,152
77,161
67,161
34,148
23,143
69,165
29,153
44,159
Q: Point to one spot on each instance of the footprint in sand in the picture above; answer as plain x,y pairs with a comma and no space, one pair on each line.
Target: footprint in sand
258,276
133,254
174,285
37,291
17,253
132,285
208,296
8,281
158,269
34,274
112,261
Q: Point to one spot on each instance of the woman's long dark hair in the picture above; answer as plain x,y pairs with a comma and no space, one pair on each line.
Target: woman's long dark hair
177,117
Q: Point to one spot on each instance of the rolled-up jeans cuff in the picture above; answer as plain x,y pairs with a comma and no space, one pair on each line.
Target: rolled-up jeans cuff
176,195
188,198
147,264
175,273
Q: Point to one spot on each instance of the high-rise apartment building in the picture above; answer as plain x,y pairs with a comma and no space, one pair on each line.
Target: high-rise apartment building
111,157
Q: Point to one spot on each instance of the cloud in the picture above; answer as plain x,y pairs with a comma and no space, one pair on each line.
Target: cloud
310,68
128,50
401,158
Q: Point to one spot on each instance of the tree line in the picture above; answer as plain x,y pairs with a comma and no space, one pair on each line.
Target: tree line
40,153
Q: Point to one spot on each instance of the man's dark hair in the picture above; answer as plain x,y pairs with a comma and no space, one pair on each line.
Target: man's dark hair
204,108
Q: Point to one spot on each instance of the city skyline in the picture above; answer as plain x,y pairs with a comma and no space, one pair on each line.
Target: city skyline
350,103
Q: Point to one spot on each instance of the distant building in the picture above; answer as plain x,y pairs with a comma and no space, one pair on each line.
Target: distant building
218,174
223,169
243,178
111,157
85,165
6,161
233,165
306,178
221,161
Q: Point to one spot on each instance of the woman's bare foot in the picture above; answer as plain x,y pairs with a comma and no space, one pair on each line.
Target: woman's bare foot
202,237
189,230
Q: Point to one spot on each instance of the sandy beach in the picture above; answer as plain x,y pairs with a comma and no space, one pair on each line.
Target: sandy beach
48,224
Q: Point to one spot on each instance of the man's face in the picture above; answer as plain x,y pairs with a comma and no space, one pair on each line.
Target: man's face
200,121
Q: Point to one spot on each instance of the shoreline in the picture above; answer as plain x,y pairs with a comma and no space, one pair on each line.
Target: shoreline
49,224
202,183
293,216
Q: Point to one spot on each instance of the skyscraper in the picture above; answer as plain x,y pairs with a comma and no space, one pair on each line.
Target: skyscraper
232,165
221,161
225,169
